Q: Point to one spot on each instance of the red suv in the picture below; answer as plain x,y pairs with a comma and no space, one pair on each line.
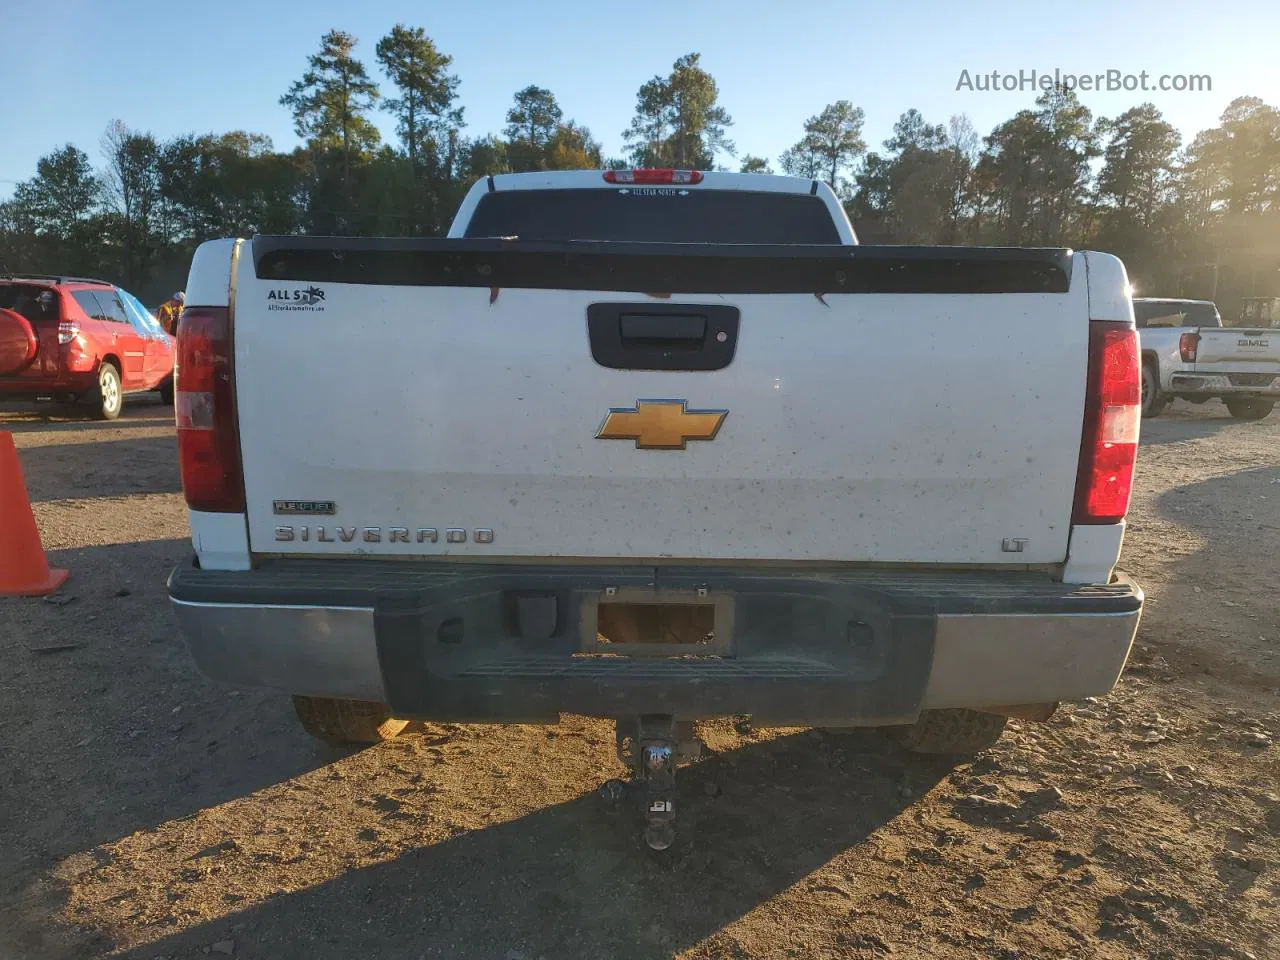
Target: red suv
82,340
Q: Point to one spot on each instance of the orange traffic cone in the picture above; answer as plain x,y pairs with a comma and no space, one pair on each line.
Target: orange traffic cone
24,571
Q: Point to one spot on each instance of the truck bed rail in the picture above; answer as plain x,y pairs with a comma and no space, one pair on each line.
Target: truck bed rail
669,268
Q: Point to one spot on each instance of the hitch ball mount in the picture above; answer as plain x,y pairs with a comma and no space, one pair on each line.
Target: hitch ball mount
651,746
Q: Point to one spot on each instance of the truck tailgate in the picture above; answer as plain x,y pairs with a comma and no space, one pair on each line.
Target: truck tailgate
866,426
1238,348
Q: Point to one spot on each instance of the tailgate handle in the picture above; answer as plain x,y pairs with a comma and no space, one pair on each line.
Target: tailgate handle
663,336
655,329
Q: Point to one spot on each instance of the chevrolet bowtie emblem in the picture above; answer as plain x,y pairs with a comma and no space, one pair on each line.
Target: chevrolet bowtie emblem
661,424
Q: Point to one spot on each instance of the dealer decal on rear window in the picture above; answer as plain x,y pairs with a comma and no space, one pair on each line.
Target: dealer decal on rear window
653,192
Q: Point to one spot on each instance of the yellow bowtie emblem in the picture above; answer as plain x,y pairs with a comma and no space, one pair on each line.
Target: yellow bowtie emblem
661,424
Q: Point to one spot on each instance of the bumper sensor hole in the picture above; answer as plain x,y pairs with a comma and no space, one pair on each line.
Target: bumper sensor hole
450,631
861,635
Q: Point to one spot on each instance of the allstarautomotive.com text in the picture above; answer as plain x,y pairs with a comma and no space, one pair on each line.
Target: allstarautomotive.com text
1110,81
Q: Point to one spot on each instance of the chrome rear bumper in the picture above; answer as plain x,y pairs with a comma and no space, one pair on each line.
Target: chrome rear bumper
821,648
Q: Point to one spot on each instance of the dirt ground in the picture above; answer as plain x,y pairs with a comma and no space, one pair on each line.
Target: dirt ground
145,812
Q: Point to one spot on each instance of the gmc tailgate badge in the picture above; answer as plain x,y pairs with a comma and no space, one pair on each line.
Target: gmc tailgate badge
661,424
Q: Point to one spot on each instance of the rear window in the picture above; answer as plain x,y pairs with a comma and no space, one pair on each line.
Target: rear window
1203,315
643,215
1175,313
24,299
1262,311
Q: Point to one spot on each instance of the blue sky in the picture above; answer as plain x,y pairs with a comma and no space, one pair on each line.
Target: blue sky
172,67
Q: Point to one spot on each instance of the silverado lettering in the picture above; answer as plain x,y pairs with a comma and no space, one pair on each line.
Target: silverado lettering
288,534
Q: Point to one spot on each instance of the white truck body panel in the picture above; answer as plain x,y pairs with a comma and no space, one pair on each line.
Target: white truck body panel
220,540
1160,347
209,281
447,411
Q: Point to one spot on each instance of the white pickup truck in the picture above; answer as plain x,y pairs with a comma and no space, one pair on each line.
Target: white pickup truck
657,446
1188,354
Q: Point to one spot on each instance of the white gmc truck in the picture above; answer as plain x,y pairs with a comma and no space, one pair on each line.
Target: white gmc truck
1187,354
657,446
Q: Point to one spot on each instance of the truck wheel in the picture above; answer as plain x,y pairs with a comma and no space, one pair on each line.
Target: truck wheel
107,398
1153,403
345,722
1251,408
957,732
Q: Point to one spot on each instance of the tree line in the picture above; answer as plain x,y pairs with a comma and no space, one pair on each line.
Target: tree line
1199,219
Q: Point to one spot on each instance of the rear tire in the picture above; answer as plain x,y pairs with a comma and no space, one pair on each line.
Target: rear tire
954,732
166,392
347,722
1252,408
1153,402
107,398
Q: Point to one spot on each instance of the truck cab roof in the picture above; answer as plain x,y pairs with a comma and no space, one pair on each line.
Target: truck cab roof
708,179
633,206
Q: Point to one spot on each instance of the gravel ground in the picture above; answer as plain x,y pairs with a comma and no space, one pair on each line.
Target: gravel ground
145,812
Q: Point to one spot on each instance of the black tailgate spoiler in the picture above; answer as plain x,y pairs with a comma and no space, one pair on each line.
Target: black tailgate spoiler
665,267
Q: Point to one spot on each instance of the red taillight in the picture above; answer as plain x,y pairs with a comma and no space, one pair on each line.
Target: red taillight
1112,412
204,406
1188,344
68,330
652,176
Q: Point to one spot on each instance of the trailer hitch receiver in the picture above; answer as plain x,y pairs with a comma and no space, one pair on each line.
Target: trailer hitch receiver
651,746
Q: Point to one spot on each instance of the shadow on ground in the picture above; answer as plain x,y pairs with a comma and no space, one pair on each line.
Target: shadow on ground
140,410
574,880
105,468
1226,511
1171,428
108,729
1237,520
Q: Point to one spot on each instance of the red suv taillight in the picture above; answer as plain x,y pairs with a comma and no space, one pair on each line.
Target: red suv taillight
1188,344
68,330
204,406
1112,411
